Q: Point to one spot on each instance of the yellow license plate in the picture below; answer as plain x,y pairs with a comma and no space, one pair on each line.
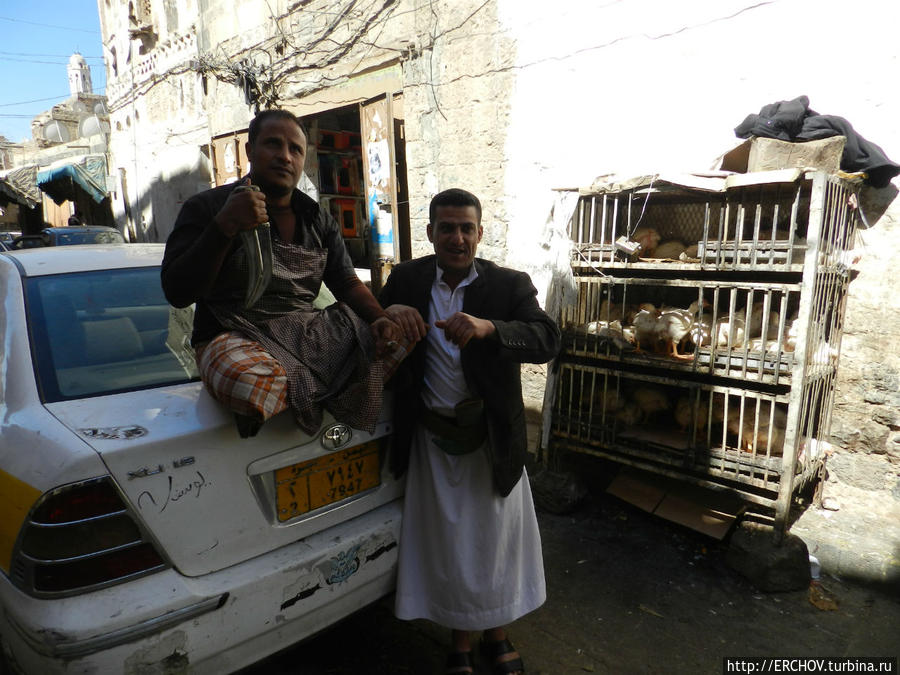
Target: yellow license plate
310,485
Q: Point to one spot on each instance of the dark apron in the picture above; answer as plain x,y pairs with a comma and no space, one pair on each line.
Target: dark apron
328,354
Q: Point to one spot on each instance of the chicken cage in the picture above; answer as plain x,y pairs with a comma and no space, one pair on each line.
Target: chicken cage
705,338
762,222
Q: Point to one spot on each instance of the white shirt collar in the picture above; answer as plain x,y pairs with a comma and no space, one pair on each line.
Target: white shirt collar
470,277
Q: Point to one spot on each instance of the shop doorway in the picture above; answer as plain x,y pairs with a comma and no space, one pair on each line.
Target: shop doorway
356,163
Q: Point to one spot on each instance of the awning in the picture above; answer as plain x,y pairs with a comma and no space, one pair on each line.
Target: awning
20,186
89,174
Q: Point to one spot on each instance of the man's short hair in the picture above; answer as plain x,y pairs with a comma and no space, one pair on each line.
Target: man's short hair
453,197
272,114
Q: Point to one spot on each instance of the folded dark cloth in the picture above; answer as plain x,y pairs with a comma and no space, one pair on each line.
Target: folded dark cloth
794,121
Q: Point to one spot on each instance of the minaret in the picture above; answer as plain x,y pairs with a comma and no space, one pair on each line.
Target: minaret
79,75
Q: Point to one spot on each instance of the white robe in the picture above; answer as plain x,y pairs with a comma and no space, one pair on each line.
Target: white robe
469,558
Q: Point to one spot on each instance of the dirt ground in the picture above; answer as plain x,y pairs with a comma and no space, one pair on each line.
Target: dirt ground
627,593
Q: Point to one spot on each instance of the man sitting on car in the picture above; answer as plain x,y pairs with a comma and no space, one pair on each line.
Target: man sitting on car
280,351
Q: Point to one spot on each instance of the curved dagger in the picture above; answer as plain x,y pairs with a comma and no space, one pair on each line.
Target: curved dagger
258,246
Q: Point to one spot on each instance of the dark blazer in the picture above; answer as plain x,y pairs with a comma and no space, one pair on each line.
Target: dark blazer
525,334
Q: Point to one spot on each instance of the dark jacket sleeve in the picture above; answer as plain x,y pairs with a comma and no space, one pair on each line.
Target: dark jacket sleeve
529,335
195,250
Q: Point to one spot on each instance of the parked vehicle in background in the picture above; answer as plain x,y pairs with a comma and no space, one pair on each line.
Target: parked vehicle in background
140,533
67,236
6,239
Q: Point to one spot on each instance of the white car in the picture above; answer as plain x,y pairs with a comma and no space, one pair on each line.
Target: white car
139,532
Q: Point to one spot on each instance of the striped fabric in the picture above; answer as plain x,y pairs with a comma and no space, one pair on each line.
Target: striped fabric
239,373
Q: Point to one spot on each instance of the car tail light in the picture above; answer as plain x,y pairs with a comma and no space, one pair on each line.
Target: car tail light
81,537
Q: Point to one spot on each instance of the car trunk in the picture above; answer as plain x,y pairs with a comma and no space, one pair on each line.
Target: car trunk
211,498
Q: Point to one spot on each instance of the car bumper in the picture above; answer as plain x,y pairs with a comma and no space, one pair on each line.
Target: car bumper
216,623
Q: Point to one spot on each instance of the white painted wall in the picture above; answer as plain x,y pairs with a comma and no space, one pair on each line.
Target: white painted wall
634,85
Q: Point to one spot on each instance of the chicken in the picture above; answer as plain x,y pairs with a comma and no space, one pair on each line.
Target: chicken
701,330
757,345
630,414
729,332
630,312
648,238
669,250
684,413
673,328
757,320
651,400
762,435
605,399
644,325
610,311
691,253
614,315
811,449
825,355
620,339
790,334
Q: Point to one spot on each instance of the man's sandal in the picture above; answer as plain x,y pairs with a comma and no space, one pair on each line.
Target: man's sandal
502,657
459,663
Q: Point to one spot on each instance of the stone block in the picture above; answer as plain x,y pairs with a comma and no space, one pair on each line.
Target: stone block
771,567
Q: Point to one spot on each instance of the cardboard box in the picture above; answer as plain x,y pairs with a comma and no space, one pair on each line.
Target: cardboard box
769,154
712,512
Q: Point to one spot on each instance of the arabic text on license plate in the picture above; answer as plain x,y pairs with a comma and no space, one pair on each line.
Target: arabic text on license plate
318,482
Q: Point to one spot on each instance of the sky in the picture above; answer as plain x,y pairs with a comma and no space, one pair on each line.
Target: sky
37,37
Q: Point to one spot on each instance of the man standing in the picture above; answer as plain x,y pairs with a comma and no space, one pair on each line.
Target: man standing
280,351
470,550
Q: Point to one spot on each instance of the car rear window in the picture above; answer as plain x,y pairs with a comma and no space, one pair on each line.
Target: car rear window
88,237
97,333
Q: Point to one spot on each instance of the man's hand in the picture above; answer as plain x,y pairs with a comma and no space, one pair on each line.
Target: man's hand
243,210
385,332
461,327
409,320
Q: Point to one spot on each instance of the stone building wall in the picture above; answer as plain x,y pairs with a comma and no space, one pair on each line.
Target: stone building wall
866,421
